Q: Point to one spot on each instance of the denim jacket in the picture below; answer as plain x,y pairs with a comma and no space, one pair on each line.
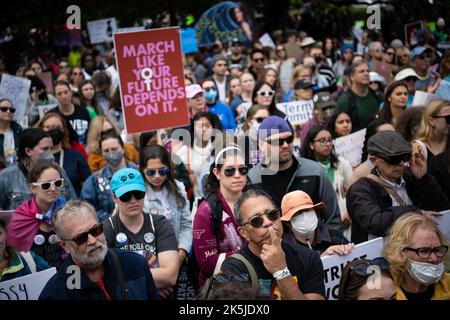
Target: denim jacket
14,188
97,191
181,217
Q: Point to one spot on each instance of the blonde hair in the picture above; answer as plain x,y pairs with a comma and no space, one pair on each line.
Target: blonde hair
95,132
426,132
400,236
298,69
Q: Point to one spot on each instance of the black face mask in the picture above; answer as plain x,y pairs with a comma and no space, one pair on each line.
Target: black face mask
318,59
57,136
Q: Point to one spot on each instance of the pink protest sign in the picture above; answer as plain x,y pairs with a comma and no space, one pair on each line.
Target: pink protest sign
151,79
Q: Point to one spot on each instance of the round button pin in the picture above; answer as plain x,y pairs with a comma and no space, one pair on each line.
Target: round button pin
39,239
53,239
121,238
149,237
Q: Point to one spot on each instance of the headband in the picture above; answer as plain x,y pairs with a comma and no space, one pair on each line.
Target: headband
223,151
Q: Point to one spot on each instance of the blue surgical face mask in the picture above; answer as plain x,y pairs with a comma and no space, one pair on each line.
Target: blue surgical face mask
211,95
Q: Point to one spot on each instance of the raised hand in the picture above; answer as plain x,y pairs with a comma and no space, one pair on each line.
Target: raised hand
272,255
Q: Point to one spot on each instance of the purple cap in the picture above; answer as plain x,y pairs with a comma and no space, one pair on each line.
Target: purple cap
273,125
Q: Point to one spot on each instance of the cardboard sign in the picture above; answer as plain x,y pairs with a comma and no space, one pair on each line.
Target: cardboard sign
130,29
334,265
422,98
188,41
15,89
267,41
350,147
43,109
297,112
444,223
411,30
102,30
151,79
26,288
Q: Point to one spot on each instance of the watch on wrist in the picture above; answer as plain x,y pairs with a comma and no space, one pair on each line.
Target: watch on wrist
281,274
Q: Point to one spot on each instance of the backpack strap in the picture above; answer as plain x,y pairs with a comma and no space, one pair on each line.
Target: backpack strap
123,292
388,188
250,269
29,260
219,263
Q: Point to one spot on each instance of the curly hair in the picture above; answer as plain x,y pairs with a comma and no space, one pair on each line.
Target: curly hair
399,237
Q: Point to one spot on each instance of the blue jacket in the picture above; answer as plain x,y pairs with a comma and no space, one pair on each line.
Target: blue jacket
97,191
139,284
18,266
224,113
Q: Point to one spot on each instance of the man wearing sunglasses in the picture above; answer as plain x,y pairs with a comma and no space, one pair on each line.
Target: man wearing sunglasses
421,62
10,131
392,189
92,272
150,235
284,271
281,172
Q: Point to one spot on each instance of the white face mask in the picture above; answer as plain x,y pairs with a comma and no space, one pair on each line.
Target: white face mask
426,273
305,223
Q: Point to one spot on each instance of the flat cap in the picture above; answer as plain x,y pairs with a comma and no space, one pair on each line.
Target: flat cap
388,143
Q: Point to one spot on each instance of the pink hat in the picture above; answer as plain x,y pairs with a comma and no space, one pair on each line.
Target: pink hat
193,90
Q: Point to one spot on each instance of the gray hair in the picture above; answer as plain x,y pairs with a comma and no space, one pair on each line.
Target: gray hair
250,194
372,45
68,210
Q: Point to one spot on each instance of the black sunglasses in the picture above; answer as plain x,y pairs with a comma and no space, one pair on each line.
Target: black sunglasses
80,239
259,119
425,252
229,172
257,220
7,109
138,195
152,172
361,268
394,160
208,89
258,60
447,118
281,141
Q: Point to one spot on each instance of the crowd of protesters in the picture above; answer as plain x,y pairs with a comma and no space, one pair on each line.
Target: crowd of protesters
244,212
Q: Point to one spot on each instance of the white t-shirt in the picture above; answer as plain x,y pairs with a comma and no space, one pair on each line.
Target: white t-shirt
222,90
9,147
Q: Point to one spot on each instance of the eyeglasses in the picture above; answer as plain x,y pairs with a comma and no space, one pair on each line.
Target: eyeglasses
7,109
390,53
394,160
323,141
447,118
58,183
257,220
258,59
361,268
379,50
207,89
266,93
138,195
229,172
281,141
80,239
425,252
259,119
152,172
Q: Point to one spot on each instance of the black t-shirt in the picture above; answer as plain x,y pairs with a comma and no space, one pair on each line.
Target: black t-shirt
423,296
156,236
45,245
276,185
77,123
76,167
303,263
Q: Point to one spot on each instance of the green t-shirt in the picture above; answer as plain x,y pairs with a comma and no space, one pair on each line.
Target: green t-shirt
366,108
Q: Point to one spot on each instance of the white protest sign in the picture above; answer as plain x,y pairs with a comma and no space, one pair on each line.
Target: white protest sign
43,109
15,89
444,222
267,41
102,30
422,98
350,147
297,112
130,29
26,288
334,265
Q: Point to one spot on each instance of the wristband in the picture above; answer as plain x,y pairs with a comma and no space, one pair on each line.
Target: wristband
281,274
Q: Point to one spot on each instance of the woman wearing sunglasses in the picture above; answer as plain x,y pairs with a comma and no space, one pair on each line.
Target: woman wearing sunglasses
359,278
10,131
216,233
166,196
318,146
96,189
264,94
417,251
31,227
392,188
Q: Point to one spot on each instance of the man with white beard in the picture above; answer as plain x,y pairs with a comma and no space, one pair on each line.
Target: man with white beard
92,272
